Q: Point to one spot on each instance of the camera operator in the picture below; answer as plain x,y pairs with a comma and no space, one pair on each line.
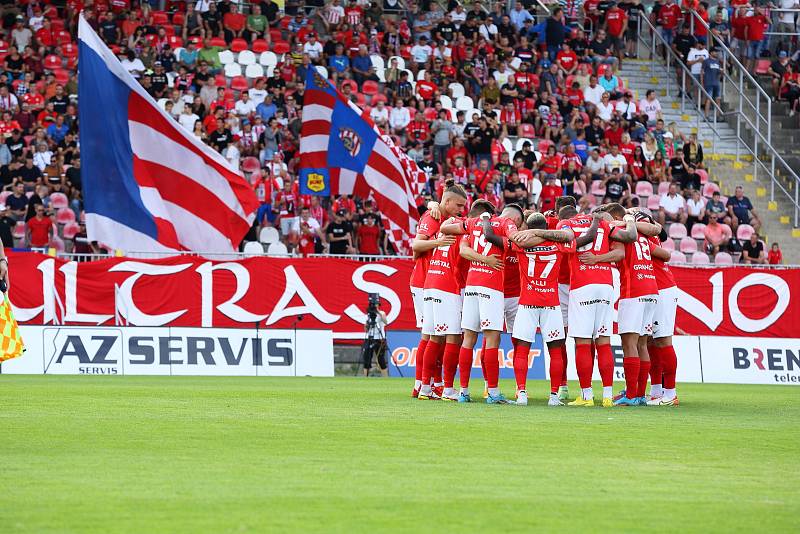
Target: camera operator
375,342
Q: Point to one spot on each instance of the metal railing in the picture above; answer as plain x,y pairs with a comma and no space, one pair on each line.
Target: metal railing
219,256
734,83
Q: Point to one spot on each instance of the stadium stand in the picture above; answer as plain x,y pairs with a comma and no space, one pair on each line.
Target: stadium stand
518,105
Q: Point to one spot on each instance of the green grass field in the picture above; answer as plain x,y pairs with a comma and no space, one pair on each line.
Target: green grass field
168,454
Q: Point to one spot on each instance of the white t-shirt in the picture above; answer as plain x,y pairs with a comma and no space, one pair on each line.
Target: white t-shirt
604,111
695,54
421,53
187,120
399,117
314,50
379,115
694,207
135,67
257,95
651,109
672,204
595,166
626,109
593,94
245,108
615,162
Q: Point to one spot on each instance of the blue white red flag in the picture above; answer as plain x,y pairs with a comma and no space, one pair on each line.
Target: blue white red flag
343,153
149,185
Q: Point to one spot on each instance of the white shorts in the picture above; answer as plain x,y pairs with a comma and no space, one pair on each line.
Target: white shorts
417,297
563,299
591,311
483,309
636,315
546,318
510,304
441,313
664,318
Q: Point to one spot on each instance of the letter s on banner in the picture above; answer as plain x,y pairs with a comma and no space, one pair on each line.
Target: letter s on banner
354,312
125,304
776,283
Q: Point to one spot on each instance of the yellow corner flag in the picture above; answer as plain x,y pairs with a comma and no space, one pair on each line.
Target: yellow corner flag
11,345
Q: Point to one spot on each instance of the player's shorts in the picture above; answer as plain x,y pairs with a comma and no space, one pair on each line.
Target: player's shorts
483,309
591,312
418,298
510,306
441,313
546,318
563,300
636,315
664,317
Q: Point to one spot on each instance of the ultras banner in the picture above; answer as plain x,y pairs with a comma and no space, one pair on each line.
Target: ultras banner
326,293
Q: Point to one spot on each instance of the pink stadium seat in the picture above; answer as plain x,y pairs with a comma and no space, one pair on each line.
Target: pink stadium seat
237,45
598,189
70,230
744,231
703,176
251,164
677,257
762,67
723,258
709,189
544,144
527,131
688,246
644,188
352,84
663,188
178,18
259,45
65,215
58,201
697,231
52,62
669,244
580,188
700,258
653,203
677,231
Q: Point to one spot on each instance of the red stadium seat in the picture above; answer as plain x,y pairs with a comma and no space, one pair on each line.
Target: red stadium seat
370,88
175,41
762,67
527,130
275,34
544,144
178,18
380,97
361,100
63,37
65,215
239,83
70,50
352,84
70,230
160,18
52,62
3,46
217,41
259,45
62,76
237,45
280,47
57,25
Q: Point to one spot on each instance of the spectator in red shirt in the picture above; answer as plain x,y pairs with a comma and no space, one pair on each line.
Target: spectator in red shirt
550,192
775,256
368,236
615,24
668,18
754,27
233,24
38,229
567,60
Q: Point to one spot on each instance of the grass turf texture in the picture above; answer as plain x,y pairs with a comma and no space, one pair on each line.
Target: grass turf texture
168,454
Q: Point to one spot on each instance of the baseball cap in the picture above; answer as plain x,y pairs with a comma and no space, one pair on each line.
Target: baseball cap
782,53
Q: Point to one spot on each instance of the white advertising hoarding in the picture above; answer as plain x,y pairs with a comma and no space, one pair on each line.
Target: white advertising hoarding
173,351
751,360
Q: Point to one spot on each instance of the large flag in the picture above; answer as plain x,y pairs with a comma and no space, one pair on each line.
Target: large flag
343,153
148,184
11,345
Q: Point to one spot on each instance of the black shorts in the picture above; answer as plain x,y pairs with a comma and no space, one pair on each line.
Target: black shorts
376,347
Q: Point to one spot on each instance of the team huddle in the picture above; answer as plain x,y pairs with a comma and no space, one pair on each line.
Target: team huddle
525,271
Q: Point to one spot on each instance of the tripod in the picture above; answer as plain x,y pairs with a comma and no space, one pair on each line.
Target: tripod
375,343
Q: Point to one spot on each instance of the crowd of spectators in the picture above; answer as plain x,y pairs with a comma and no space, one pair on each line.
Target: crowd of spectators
514,106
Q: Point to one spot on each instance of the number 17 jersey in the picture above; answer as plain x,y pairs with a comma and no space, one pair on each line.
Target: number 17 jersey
539,268
580,273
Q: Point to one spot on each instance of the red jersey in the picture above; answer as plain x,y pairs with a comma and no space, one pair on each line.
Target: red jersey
511,279
567,60
581,274
664,278
368,239
445,270
670,16
615,21
429,227
756,26
480,274
539,267
563,274
637,276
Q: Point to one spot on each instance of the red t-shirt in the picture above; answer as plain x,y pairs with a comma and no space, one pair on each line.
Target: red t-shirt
40,231
581,274
428,227
615,21
426,89
549,195
664,278
567,60
368,239
234,21
306,244
670,16
756,26
539,268
627,150
480,274
636,272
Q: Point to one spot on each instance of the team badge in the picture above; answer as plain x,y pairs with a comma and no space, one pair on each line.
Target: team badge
351,140
315,182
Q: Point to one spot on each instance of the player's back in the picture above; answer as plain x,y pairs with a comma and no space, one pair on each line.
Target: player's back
480,274
636,272
539,268
580,273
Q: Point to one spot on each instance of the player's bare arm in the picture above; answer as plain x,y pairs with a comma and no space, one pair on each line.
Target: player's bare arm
434,210
468,253
590,234
662,254
629,234
423,243
488,233
559,236
526,238
616,254
647,228
453,227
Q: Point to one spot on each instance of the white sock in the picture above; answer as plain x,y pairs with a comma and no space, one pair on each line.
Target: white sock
485,384
669,394
656,390
449,392
417,384
438,384
465,391
608,392
494,392
587,393
424,390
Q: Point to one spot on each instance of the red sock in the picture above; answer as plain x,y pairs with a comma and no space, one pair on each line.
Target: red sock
556,367
483,353
564,368
450,363
464,366
437,372
605,364
669,364
655,364
584,364
420,355
644,374
433,352
631,366
521,365
492,366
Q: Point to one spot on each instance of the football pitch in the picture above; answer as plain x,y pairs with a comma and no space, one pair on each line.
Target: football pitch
170,454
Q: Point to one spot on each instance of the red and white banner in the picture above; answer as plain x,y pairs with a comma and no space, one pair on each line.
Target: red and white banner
332,294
